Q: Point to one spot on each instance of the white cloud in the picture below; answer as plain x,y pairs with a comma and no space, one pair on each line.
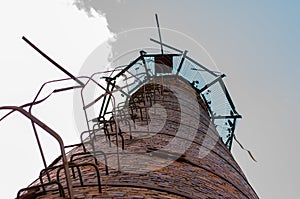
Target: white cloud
65,34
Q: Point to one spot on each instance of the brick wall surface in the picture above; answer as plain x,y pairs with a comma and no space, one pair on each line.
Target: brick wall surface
216,175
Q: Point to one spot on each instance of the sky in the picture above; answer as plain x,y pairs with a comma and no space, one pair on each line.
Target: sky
255,43
68,36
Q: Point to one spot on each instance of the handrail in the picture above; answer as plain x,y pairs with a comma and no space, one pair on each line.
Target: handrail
53,134
107,92
34,103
